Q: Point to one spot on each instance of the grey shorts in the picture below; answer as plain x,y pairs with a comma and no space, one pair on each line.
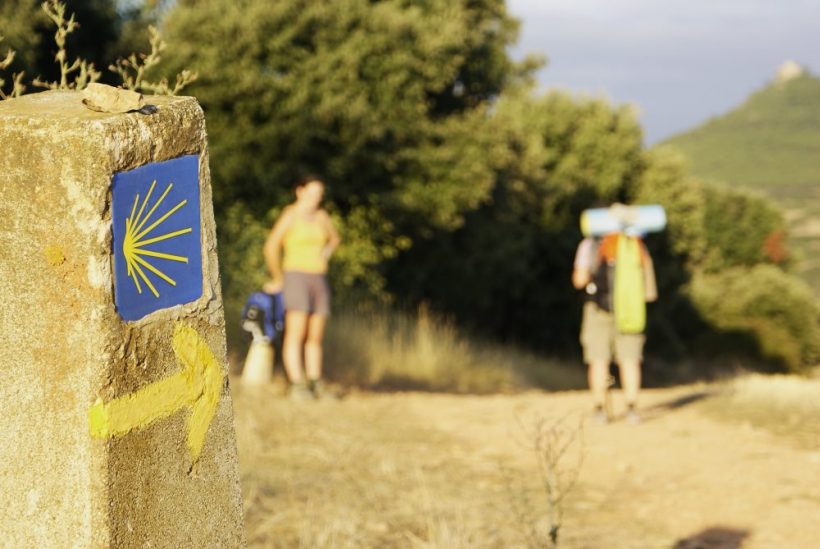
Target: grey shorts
306,292
600,337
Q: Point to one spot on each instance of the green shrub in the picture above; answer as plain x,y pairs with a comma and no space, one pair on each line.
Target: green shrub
741,229
242,267
772,309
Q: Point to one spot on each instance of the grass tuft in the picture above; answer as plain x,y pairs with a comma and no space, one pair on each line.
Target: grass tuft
392,350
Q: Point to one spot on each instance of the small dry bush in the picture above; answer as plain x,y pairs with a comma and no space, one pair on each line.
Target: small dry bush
77,74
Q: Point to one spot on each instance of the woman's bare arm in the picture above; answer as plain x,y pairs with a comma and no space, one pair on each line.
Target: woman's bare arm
273,245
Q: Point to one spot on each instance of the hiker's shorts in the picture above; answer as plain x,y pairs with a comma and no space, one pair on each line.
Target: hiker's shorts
600,339
306,292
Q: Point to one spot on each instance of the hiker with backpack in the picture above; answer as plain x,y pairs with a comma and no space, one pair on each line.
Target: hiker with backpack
305,235
616,275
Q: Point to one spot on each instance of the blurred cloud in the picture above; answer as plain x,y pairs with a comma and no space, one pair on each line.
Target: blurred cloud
679,61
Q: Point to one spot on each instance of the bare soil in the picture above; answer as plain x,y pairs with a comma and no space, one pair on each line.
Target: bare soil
427,470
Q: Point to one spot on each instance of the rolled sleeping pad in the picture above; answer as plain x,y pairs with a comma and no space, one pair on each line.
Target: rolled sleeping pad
635,220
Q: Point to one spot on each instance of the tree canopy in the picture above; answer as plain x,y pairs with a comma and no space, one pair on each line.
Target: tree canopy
453,181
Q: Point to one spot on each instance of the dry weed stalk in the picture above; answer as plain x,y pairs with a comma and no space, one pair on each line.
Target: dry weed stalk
85,72
55,10
552,442
133,68
17,78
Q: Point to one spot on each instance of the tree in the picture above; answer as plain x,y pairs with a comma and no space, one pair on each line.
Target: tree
389,100
506,271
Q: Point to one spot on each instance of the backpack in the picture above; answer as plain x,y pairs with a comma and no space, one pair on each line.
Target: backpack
617,281
598,289
264,316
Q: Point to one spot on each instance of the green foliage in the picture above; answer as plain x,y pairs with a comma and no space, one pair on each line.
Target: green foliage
24,21
775,311
665,181
451,181
506,271
30,30
133,70
135,18
20,21
350,88
388,100
740,228
242,236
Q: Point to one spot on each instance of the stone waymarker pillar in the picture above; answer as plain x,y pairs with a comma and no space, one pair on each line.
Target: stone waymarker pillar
116,426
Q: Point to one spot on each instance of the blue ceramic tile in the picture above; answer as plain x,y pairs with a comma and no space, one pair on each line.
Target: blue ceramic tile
157,252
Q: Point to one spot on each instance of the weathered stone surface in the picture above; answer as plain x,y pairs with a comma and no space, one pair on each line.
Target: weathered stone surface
63,346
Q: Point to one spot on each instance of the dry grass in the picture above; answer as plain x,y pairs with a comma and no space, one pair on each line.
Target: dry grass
367,471
783,404
381,349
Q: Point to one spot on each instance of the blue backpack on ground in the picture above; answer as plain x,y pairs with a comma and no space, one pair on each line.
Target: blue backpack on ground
264,316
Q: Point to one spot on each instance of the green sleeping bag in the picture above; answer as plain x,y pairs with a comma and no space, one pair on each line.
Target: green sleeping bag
629,301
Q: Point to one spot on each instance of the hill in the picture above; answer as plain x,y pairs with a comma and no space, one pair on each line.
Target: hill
770,143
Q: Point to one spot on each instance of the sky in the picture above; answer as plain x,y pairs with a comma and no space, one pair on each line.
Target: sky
679,61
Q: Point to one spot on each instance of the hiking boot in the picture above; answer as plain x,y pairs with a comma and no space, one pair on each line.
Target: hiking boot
300,392
319,390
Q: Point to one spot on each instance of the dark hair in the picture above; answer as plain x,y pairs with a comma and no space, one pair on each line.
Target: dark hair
305,179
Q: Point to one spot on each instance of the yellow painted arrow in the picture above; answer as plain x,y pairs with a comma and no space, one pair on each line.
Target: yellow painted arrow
198,385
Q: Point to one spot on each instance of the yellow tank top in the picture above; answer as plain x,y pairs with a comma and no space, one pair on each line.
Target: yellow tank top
303,244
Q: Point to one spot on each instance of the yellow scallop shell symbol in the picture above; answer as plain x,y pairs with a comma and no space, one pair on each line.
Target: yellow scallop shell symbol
138,236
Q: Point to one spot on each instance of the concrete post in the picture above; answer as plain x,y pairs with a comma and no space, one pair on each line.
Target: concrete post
116,427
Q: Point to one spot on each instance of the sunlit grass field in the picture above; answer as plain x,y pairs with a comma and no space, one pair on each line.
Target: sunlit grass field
380,349
788,406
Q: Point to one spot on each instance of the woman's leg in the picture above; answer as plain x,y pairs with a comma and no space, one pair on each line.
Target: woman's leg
313,346
295,329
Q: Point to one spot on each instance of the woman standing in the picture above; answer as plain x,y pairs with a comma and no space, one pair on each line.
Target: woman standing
306,235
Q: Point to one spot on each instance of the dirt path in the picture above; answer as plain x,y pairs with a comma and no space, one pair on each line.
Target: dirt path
450,471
